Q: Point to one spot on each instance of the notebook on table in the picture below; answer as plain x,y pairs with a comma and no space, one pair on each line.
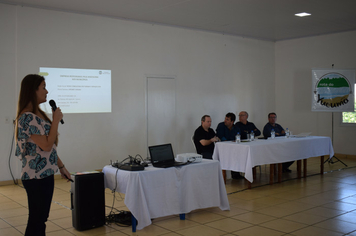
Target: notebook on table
162,156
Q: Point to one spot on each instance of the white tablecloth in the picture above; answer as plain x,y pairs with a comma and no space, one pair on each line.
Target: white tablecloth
157,192
244,156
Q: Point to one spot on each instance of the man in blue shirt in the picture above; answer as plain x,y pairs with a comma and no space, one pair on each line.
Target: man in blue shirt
279,131
226,131
245,126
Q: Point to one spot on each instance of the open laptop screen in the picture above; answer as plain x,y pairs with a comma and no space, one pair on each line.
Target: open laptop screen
161,153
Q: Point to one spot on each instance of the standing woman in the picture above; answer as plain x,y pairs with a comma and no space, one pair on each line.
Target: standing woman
37,139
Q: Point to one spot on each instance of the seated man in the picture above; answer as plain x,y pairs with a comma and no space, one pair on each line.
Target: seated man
245,126
279,131
204,138
227,131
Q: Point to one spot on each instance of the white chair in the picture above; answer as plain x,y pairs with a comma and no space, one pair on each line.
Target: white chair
194,143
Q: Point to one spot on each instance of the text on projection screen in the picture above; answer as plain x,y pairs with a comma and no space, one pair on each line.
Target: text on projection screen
78,90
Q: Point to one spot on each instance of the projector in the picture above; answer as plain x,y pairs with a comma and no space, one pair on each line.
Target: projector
189,157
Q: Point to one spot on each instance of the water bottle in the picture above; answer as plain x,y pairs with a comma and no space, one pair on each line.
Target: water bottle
273,134
238,137
287,133
252,135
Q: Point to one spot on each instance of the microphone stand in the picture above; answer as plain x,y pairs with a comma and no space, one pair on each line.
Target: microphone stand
330,160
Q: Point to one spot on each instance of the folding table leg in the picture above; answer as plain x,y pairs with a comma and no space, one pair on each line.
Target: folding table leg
249,184
299,168
133,223
271,173
321,165
224,175
279,172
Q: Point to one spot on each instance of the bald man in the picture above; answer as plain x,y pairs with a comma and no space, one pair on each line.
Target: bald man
245,126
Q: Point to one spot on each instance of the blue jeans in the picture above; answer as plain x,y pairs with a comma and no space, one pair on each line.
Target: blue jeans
39,196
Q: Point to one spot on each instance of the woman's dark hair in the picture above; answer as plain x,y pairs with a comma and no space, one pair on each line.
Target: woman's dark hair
29,86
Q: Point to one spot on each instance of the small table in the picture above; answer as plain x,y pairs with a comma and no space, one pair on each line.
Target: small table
244,156
157,192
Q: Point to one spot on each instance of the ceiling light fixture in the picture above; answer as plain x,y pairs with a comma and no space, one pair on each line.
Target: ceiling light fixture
302,14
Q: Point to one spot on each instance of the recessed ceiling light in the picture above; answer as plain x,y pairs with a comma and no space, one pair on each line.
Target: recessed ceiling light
302,14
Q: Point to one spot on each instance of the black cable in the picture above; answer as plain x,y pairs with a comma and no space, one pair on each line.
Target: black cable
109,218
119,164
133,160
120,217
139,156
114,216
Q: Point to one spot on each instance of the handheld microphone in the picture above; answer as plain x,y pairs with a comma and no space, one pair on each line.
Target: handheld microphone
54,107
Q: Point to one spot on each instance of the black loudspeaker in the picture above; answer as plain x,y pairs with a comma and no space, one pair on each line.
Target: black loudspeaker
88,200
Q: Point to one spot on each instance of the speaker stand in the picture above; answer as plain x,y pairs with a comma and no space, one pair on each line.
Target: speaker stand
330,160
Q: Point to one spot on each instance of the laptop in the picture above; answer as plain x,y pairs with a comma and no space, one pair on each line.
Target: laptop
162,156
301,135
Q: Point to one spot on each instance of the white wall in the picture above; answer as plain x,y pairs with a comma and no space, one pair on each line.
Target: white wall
8,96
215,74
294,62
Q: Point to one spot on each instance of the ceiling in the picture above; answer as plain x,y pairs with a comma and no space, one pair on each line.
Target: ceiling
271,20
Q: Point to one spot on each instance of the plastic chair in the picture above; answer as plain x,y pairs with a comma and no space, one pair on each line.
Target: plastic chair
194,143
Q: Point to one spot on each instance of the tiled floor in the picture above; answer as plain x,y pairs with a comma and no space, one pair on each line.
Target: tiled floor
317,205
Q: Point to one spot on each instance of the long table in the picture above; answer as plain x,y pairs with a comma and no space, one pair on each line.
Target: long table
158,192
244,156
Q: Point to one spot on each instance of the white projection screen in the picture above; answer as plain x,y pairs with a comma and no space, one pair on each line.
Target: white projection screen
78,90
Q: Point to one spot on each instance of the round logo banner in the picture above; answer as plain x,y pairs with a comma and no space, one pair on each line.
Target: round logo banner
333,90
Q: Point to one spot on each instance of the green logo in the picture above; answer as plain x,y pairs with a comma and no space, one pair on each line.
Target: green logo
43,74
333,90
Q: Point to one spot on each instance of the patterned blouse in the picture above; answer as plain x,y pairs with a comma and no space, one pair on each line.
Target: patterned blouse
36,163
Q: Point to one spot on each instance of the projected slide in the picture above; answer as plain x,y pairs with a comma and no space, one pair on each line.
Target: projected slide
78,90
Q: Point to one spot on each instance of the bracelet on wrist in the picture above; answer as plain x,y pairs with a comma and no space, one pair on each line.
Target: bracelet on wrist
61,167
